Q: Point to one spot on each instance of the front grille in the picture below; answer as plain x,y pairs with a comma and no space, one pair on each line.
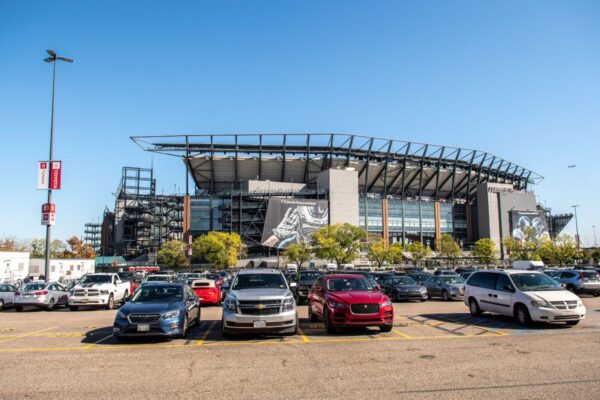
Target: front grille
257,311
565,305
88,292
565,317
144,318
93,292
260,307
365,308
79,293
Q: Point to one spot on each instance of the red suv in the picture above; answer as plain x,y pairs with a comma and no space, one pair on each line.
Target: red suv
349,300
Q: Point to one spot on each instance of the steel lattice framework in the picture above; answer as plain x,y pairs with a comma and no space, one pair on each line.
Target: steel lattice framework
388,167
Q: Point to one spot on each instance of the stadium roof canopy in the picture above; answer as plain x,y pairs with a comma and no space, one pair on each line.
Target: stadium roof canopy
387,167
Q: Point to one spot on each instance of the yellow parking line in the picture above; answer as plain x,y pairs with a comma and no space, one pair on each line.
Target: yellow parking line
490,330
27,334
89,346
402,334
201,341
303,336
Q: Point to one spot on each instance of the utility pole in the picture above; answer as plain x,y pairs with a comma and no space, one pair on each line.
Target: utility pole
576,226
52,59
595,241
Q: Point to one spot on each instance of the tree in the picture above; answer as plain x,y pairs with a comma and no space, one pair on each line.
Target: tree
38,248
378,253
485,251
418,251
298,253
222,249
339,242
77,248
527,248
448,248
396,253
11,244
561,251
172,255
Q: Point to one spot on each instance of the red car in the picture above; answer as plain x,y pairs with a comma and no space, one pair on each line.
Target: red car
349,300
208,292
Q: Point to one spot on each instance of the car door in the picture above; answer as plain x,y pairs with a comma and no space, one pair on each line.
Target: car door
10,294
386,287
63,295
317,297
504,291
4,294
487,291
435,284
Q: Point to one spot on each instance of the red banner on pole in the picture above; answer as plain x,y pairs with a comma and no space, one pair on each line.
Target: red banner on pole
55,174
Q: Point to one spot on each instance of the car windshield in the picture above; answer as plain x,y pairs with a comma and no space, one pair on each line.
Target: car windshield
34,286
96,279
157,278
348,284
534,281
308,276
452,279
259,281
125,276
158,294
404,280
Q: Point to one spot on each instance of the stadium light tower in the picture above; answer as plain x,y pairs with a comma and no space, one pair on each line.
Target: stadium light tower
575,206
52,59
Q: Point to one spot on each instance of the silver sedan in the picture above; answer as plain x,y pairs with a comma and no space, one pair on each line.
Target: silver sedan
7,295
41,295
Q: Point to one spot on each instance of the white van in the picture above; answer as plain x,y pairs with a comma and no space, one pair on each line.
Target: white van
526,295
347,267
293,268
330,267
528,265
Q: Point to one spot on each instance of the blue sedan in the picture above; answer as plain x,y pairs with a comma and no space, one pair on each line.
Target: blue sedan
158,309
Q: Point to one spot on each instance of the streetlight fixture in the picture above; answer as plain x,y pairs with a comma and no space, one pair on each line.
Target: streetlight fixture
52,59
575,206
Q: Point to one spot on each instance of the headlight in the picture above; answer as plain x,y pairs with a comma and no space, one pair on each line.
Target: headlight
171,314
335,304
423,289
121,315
580,303
229,304
104,292
454,289
387,303
289,304
540,303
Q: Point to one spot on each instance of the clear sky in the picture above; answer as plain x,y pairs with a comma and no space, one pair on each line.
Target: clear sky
519,79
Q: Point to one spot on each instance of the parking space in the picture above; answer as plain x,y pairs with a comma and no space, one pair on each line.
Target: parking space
88,330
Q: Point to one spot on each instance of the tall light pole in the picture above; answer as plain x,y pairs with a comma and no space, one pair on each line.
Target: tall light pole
576,226
52,59
595,241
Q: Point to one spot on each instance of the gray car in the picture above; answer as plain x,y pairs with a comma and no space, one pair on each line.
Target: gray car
403,288
259,301
7,295
41,295
580,281
446,287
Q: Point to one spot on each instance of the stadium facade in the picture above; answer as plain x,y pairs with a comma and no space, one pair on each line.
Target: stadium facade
274,189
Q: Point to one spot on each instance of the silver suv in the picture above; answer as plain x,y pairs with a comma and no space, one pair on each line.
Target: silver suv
259,301
580,281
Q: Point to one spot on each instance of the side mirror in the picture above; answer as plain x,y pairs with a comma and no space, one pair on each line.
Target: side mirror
377,288
191,298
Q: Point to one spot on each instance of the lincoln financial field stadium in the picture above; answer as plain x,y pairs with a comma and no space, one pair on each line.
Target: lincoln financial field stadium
275,189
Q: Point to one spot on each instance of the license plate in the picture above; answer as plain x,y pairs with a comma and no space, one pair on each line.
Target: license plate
260,324
84,300
143,328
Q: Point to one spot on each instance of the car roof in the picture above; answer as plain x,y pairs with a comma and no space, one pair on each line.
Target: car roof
259,271
162,283
344,275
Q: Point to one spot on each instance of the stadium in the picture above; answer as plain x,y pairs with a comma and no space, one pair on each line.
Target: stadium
275,189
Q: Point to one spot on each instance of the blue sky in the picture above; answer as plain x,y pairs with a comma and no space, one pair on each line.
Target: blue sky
519,79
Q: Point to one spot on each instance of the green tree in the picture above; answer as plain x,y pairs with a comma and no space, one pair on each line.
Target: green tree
298,253
485,251
418,251
561,251
172,255
396,253
527,248
448,248
378,253
339,243
38,248
222,249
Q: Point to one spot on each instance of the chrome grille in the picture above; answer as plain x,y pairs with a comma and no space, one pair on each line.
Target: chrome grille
565,305
260,307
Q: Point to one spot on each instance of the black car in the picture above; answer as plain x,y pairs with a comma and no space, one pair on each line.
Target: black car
420,277
304,280
403,288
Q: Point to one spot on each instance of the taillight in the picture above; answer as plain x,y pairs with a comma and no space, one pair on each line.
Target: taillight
41,293
580,276
17,293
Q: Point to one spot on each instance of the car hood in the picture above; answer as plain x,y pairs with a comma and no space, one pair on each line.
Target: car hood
306,282
553,295
354,297
148,308
408,287
260,294
92,285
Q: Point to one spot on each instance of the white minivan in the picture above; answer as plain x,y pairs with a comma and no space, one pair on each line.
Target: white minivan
526,295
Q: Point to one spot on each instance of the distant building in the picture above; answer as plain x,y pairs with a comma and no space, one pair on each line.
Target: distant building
62,269
14,265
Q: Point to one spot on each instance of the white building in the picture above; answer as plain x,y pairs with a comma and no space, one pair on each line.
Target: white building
14,265
62,269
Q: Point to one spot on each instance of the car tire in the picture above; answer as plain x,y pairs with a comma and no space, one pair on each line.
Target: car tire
50,305
18,308
398,298
125,296
386,328
1,304
184,328
474,308
329,328
73,308
197,319
423,300
445,295
111,302
311,316
522,316
572,323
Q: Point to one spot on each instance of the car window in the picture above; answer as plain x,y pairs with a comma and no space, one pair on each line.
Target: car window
349,284
488,280
319,283
159,294
502,283
534,281
451,279
3,288
259,281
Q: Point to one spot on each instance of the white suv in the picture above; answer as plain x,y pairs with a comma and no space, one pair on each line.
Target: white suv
526,295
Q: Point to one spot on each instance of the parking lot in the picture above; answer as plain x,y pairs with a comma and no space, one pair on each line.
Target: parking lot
435,349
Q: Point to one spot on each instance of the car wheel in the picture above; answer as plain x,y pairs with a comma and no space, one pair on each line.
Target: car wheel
595,294
522,315
422,300
329,328
474,308
125,296
50,305
386,328
197,319
1,304
184,328
18,308
111,302
311,316
73,308
398,297
445,295
572,323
